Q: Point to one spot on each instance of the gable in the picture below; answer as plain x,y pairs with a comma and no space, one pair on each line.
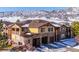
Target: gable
47,25
15,26
4,25
63,26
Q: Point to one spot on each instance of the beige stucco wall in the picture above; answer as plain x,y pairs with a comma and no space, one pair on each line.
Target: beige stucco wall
16,26
17,38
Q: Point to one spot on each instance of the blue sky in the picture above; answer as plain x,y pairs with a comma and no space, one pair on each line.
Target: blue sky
4,9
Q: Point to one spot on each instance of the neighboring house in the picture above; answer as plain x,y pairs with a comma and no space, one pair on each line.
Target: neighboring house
37,32
5,27
66,31
15,32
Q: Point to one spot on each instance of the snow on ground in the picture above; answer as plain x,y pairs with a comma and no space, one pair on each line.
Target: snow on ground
57,46
76,47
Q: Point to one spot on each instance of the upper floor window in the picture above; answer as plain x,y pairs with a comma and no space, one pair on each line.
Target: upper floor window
22,29
42,29
63,30
13,29
50,29
6,28
28,41
19,43
17,29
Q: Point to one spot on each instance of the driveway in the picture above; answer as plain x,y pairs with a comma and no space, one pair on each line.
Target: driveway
62,46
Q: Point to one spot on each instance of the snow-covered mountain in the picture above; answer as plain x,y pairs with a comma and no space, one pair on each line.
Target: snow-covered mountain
68,14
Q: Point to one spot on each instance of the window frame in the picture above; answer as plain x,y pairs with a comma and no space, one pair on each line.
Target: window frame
50,29
17,30
13,29
42,29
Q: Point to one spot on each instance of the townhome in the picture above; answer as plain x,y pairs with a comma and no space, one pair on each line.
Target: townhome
15,32
66,31
5,27
38,32
43,32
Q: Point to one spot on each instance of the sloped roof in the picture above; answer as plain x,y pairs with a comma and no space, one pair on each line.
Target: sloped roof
65,24
60,24
37,23
25,25
23,22
55,24
7,23
26,22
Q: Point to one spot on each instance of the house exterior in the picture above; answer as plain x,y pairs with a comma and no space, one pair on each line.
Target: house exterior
43,32
37,32
66,31
5,27
14,33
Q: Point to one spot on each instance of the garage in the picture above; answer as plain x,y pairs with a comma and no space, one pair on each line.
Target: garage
51,39
36,42
44,40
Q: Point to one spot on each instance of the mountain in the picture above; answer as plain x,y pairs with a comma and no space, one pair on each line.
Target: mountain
55,15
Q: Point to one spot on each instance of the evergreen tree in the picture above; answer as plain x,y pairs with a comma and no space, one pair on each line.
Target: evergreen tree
75,28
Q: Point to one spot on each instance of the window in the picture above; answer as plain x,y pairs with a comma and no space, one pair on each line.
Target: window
28,41
50,29
22,29
3,28
13,29
42,29
17,29
19,43
63,30
6,28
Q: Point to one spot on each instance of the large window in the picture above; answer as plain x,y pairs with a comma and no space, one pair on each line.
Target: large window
17,29
13,29
22,29
28,41
63,29
50,29
42,29
19,43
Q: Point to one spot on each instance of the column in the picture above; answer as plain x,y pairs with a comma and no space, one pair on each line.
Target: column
48,39
31,41
71,33
40,40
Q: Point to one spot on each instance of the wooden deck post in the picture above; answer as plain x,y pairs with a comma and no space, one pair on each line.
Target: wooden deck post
71,32
31,41
48,39
40,40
